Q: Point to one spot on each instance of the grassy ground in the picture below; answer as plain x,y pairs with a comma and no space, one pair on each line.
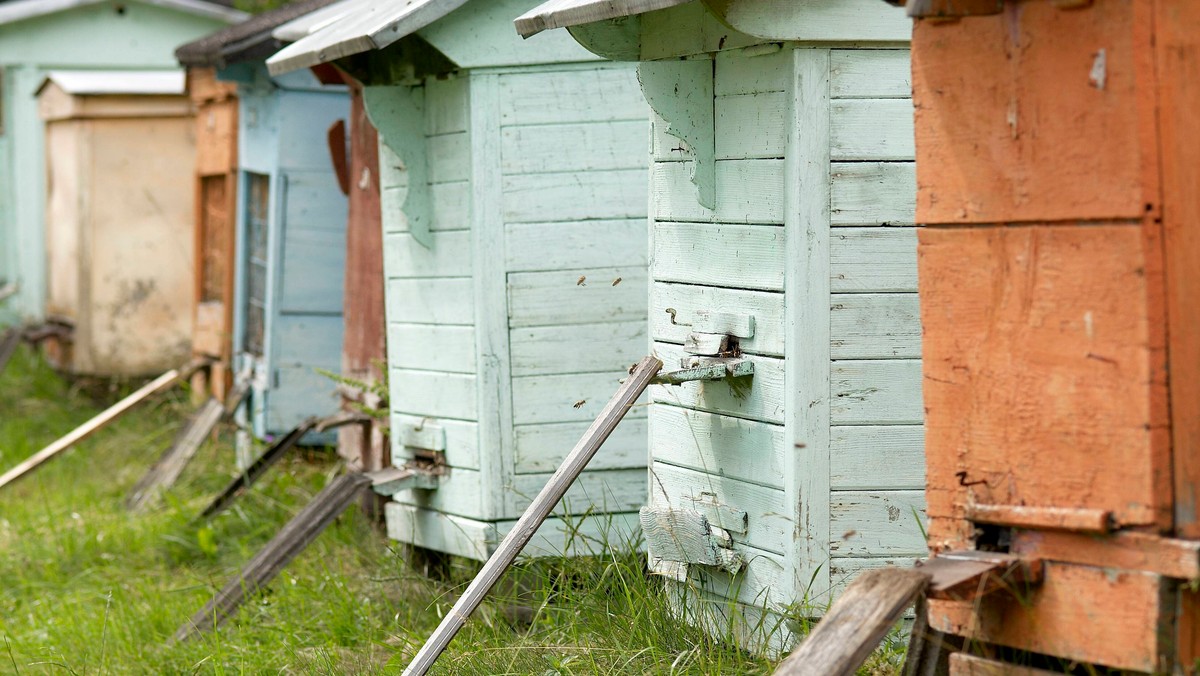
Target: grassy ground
88,588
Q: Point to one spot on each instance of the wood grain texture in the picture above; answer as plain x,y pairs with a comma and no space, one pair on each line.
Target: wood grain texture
963,664
431,301
1146,552
856,623
576,348
876,523
1012,94
875,392
873,193
534,247
1038,337
687,299
748,191
577,146
760,398
871,129
871,457
574,195
576,296
1059,617
739,256
434,347
874,326
542,447
750,451
863,260
1178,71
767,524
870,74
558,96
571,397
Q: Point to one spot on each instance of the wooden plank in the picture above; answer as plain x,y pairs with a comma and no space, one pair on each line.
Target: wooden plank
876,523
564,398
579,296
874,326
581,535
964,664
449,205
446,105
751,126
739,72
292,539
877,457
871,129
870,74
883,392
865,260
491,400
576,348
1128,550
748,191
434,394
856,623
449,157
1058,617
843,571
163,474
431,301
760,397
767,525
594,491
686,300
969,575
254,472
1179,102
574,195
577,244
448,256
1095,521
540,447
580,146
432,347
313,201
313,271
536,247
558,96
873,193
98,422
8,346
440,532
746,450
308,340
740,256
461,492
858,21
533,518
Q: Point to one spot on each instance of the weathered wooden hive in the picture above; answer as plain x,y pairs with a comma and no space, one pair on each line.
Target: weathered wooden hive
35,38
290,224
514,203
119,152
782,192
216,179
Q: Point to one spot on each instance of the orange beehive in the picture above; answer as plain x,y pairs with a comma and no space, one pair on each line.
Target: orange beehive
1058,159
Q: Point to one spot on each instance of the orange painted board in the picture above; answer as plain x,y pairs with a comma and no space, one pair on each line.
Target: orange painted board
1127,550
1178,60
962,664
1020,118
1096,615
1039,359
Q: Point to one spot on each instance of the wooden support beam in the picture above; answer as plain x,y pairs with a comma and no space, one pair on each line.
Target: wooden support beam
237,394
8,346
856,623
163,474
257,468
292,539
536,514
715,369
163,382
271,456
1147,552
962,664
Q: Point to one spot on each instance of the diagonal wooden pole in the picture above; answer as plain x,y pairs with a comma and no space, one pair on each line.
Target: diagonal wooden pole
97,423
536,514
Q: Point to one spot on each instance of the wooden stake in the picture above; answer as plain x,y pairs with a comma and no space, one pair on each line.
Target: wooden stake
97,423
856,623
292,539
163,474
8,345
535,515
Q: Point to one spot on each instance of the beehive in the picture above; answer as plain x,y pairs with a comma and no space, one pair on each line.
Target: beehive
119,153
35,38
782,188
513,181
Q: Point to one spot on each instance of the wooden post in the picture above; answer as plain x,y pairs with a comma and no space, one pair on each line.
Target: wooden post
163,382
537,513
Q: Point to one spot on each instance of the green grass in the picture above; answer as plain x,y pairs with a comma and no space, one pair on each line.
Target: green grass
88,588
